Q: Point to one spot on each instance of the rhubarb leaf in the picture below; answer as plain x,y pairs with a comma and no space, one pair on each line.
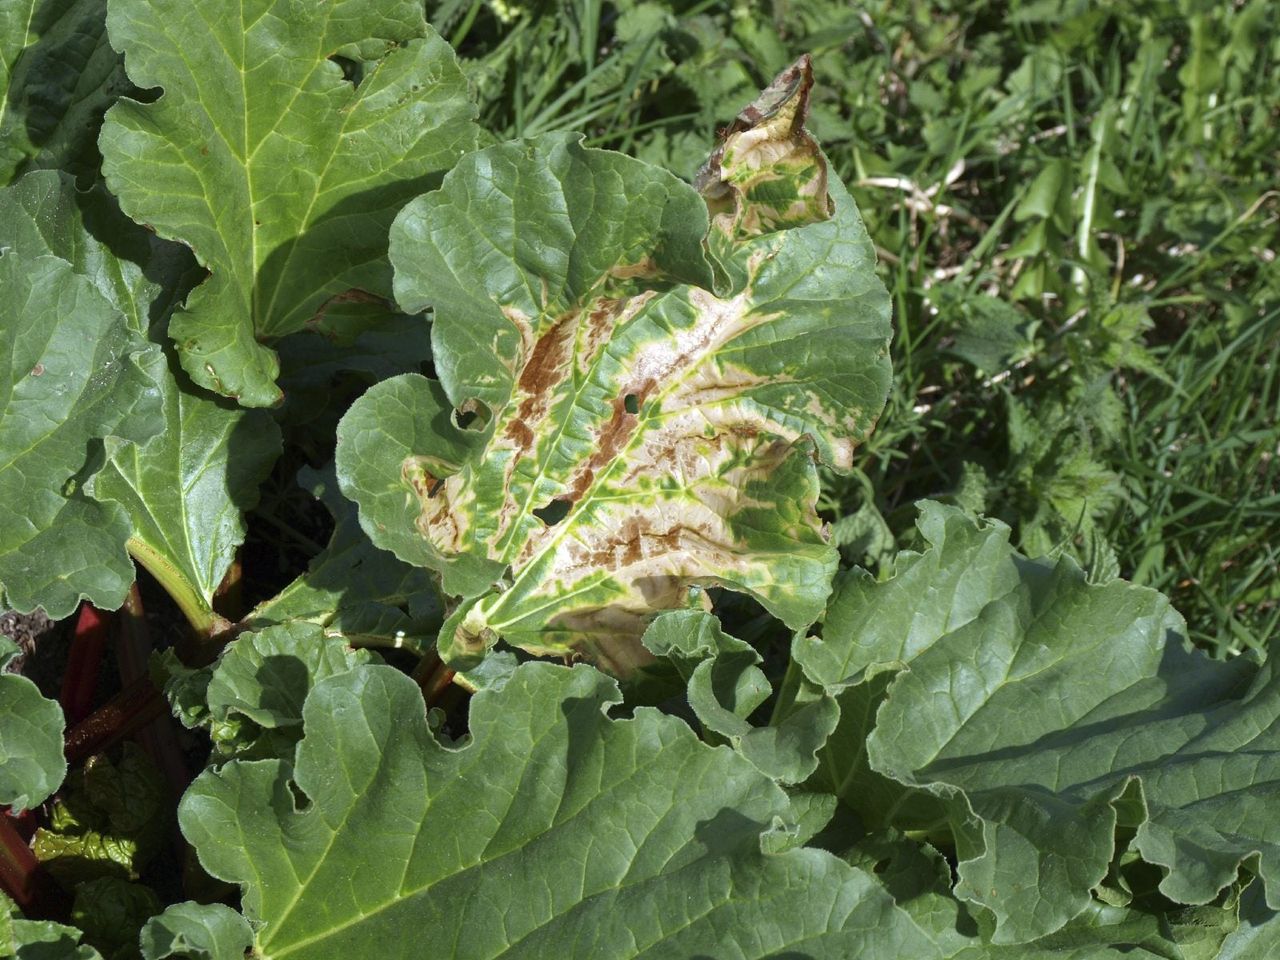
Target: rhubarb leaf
1032,714
633,432
197,931
39,939
57,76
726,686
109,821
71,373
353,588
264,677
185,489
279,170
656,836
31,762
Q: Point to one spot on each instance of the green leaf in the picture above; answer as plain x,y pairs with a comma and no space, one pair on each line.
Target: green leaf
671,427
111,912
655,836
186,488
264,677
109,821
725,687
39,939
353,588
57,76
279,172
1258,936
31,762
198,931
71,373
1037,714
140,274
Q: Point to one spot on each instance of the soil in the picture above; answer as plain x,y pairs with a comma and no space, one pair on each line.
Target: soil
32,631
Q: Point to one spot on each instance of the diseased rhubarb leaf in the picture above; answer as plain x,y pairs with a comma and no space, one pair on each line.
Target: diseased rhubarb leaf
669,424
186,488
197,931
57,76
726,686
655,836
1035,714
279,170
31,762
71,373
354,589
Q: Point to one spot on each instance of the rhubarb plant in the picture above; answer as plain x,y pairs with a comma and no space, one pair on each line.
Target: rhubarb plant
578,671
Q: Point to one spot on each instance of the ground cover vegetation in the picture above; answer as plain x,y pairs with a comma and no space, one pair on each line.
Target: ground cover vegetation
639,479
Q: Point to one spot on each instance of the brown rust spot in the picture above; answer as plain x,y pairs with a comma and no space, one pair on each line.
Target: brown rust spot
542,372
612,439
645,268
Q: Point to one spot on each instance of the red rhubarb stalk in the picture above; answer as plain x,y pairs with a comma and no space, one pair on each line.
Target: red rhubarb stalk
84,663
18,865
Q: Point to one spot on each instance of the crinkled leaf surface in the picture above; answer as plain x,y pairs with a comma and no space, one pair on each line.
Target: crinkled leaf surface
725,686
198,931
576,320
354,589
31,761
1037,712
186,488
111,912
57,76
555,832
109,820
71,372
279,172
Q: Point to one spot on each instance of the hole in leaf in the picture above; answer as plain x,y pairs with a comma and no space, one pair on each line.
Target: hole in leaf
631,403
300,800
352,70
553,512
472,415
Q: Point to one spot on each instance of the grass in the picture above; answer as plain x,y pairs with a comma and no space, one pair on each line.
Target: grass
1076,210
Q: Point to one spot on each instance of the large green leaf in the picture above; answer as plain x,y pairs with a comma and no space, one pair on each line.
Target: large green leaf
71,372
186,488
556,832
278,170
31,761
1036,714
57,76
671,424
